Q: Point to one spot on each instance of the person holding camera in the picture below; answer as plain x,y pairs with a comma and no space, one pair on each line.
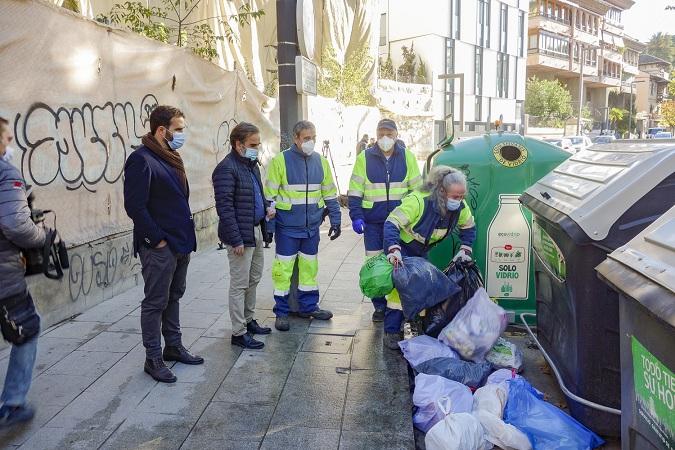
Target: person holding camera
243,213
156,194
19,320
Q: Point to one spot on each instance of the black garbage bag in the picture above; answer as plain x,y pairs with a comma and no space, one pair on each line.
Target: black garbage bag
466,372
464,274
421,285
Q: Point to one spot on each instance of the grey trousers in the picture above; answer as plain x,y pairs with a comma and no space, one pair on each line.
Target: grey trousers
164,275
245,274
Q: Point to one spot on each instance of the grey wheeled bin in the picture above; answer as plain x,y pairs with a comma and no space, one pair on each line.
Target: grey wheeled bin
584,209
643,274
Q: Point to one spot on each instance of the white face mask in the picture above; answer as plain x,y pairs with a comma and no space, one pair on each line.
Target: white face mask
9,154
307,147
385,143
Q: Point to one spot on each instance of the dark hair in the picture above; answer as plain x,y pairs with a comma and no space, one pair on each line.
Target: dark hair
161,117
241,132
3,123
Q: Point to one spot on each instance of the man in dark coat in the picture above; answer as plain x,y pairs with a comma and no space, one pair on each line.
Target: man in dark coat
243,227
156,196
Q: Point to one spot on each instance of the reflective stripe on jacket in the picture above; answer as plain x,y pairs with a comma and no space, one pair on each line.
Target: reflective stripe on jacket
417,226
378,184
301,186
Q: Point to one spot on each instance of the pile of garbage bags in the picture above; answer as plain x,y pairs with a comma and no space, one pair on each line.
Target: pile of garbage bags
469,396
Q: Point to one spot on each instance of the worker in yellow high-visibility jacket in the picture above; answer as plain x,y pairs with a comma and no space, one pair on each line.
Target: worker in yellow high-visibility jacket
424,219
300,184
382,176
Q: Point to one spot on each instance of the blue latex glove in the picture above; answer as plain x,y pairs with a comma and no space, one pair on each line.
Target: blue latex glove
358,226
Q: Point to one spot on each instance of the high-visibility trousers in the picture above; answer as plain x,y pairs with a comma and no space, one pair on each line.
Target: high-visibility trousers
305,250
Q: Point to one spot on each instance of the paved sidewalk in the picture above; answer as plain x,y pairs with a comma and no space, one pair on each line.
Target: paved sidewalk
323,385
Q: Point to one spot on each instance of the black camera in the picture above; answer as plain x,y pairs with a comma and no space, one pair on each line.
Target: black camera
52,257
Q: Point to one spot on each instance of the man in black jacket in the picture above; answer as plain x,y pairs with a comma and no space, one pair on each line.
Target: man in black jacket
243,213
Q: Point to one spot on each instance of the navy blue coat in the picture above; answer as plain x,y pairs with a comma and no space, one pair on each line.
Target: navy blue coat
235,202
156,202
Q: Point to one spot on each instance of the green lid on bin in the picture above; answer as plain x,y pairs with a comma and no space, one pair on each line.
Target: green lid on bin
596,186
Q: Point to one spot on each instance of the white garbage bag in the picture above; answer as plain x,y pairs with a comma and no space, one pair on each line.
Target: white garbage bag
475,328
488,408
423,348
435,394
460,431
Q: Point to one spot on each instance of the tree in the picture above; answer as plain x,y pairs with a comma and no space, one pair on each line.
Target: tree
668,114
662,46
406,71
387,69
616,115
71,5
346,82
549,101
671,85
171,23
421,77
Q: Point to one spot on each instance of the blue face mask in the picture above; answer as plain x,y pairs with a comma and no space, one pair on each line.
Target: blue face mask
177,141
452,204
251,153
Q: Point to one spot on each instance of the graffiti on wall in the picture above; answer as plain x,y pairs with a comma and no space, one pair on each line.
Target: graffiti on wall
81,147
91,267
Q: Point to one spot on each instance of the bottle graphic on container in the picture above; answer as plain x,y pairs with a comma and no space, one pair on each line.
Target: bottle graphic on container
508,251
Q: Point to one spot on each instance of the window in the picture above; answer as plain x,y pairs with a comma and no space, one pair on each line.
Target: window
502,75
484,23
550,44
456,12
478,82
503,27
383,29
479,108
449,83
532,42
521,34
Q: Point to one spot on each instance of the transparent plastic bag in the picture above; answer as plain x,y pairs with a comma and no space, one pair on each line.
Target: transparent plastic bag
433,395
423,348
505,355
475,328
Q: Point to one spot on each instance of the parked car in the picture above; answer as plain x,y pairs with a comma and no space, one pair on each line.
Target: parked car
651,132
606,139
580,143
563,143
663,135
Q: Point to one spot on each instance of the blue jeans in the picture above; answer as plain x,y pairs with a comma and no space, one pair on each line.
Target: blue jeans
19,373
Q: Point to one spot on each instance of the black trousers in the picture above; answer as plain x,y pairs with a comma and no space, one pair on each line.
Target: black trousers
164,274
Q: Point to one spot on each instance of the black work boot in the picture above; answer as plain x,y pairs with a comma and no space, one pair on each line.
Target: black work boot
253,328
156,368
247,341
281,324
391,340
318,314
378,315
182,355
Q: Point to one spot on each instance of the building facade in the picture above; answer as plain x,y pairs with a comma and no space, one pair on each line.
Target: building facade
582,44
482,41
652,82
